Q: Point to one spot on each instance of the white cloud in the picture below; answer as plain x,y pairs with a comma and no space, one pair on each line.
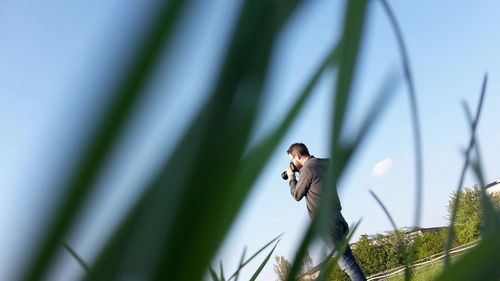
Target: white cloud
382,167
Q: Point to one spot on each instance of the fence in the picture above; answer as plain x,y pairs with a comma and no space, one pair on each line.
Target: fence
422,262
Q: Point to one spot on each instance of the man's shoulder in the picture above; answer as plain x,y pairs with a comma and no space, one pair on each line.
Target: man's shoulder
314,161
318,164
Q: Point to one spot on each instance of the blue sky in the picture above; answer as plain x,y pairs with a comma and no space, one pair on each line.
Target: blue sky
48,63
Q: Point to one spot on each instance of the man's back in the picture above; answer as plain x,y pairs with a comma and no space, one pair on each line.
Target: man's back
312,180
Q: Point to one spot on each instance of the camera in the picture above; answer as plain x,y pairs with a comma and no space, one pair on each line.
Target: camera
284,175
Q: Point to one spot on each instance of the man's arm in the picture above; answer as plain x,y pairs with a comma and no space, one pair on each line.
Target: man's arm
299,188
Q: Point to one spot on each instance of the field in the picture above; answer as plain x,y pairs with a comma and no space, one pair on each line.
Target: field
427,272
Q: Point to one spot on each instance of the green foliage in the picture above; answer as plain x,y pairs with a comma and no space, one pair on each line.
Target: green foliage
468,217
384,252
397,249
338,275
377,254
430,243
371,255
496,201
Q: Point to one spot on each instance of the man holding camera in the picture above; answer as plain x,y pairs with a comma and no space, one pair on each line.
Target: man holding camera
310,184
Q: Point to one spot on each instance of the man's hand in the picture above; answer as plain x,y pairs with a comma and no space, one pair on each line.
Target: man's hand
290,173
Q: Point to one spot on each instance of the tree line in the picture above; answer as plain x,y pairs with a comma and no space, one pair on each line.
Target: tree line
386,251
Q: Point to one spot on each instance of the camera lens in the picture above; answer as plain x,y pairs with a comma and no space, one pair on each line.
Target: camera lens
284,175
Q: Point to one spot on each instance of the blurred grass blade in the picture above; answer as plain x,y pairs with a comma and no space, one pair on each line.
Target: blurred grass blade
240,265
202,170
333,258
299,255
414,113
480,263
393,223
384,96
259,27
490,216
243,264
264,262
101,143
254,161
411,246
468,114
351,38
213,274
352,32
262,151
82,263
222,278
449,239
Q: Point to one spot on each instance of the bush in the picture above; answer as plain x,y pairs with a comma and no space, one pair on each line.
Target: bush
372,255
430,243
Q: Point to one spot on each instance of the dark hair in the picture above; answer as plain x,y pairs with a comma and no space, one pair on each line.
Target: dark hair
299,148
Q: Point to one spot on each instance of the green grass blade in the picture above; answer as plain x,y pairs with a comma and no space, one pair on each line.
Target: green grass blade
240,265
449,239
490,216
301,251
213,274
264,262
334,257
256,38
254,161
391,220
414,112
411,247
80,261
351,36
100,146
384,96
197,176
222,278
243,264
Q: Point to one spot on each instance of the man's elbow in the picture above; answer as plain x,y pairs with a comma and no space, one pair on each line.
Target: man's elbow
297,196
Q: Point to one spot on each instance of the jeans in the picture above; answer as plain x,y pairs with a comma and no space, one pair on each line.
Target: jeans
347,262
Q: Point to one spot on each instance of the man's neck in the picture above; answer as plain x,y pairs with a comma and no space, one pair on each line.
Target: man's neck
305,160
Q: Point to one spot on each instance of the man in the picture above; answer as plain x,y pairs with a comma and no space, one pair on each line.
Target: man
311,184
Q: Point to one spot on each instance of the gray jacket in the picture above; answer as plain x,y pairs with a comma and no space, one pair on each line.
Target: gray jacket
312,181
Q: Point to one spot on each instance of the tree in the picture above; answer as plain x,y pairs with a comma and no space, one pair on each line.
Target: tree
283,266
430,243
468,217
395,247
371,254
496,201
338,275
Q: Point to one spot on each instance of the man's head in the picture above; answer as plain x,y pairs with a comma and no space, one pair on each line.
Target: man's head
298,154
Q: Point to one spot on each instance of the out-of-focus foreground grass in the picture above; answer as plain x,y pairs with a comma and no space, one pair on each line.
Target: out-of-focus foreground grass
174,228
